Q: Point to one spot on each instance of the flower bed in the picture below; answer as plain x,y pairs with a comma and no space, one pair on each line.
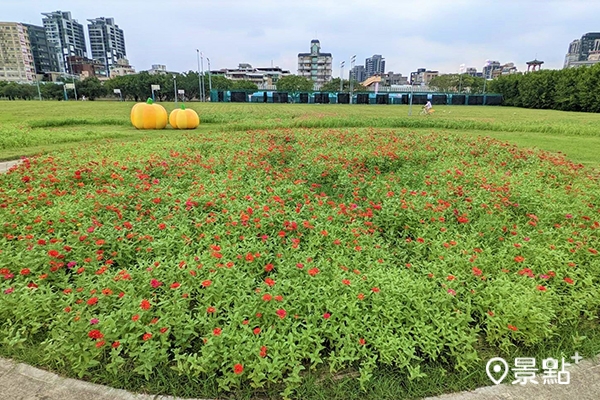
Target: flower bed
252,256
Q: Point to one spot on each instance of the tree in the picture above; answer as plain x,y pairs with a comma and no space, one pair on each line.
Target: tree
294,83
244,85
52,91
91,88
334,86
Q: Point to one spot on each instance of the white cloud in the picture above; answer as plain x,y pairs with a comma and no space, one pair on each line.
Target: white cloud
434,34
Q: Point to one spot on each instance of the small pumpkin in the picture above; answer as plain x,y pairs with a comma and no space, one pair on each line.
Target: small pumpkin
148,115
184,118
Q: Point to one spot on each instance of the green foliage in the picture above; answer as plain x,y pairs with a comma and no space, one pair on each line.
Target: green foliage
91,88
573,89
294,83
458,83
334,86
244,85
285,250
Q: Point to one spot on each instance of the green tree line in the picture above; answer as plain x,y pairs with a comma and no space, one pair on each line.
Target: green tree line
573,89
135,87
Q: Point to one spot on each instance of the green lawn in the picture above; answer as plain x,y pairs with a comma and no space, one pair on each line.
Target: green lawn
28,128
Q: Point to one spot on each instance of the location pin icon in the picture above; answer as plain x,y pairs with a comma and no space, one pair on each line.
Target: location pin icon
494,366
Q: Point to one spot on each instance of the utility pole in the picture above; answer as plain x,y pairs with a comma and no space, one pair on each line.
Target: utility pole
342,76
209,79
203,88
351,76
199,77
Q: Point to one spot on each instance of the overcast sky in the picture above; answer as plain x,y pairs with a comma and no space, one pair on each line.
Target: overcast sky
433,34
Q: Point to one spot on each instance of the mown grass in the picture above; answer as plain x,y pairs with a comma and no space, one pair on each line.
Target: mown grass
29,128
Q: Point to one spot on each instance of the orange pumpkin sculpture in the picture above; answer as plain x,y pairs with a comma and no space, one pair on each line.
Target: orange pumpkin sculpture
149,115
184,118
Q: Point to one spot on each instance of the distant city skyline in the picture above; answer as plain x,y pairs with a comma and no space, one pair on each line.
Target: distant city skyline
437,34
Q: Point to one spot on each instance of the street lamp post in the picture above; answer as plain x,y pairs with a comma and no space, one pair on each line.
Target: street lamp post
199,77
38,88
202,64
175,87
351,76
342,76
411,99
209,79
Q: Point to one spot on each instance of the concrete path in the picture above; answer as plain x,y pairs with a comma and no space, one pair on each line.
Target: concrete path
22,382
5,165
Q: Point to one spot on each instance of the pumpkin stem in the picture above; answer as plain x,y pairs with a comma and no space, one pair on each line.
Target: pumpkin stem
183,106
149,101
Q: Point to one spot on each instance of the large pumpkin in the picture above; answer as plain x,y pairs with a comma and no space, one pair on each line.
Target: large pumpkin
148,115
184,118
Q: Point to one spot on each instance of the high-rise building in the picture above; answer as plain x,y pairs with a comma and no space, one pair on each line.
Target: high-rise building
315,65
67,35
16,59
358,73
107,42
422,76
45,54
580,50
375,65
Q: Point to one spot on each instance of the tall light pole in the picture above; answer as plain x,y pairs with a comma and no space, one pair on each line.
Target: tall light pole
38,88
411,98
342,75
175,87
209,79
202,64
199,77
351,76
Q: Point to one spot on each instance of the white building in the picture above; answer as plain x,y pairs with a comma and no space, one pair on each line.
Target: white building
315,65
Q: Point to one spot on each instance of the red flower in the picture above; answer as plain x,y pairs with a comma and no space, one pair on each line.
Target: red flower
568,280
238,369
95,334
361,296
161,226
263,351
270,282
100,242
313,271
100,343
163,330
512,327
206,283
326,315
476,271
519,259
282,313
279,297
116,344
541,288
249,257
146,336
256,330
345,281
451,277
267,297
375,290
145,305
175,285
92,301
269,267
211,310
362,341
155,283
135,317
463,220
53,253
25,271
217,331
